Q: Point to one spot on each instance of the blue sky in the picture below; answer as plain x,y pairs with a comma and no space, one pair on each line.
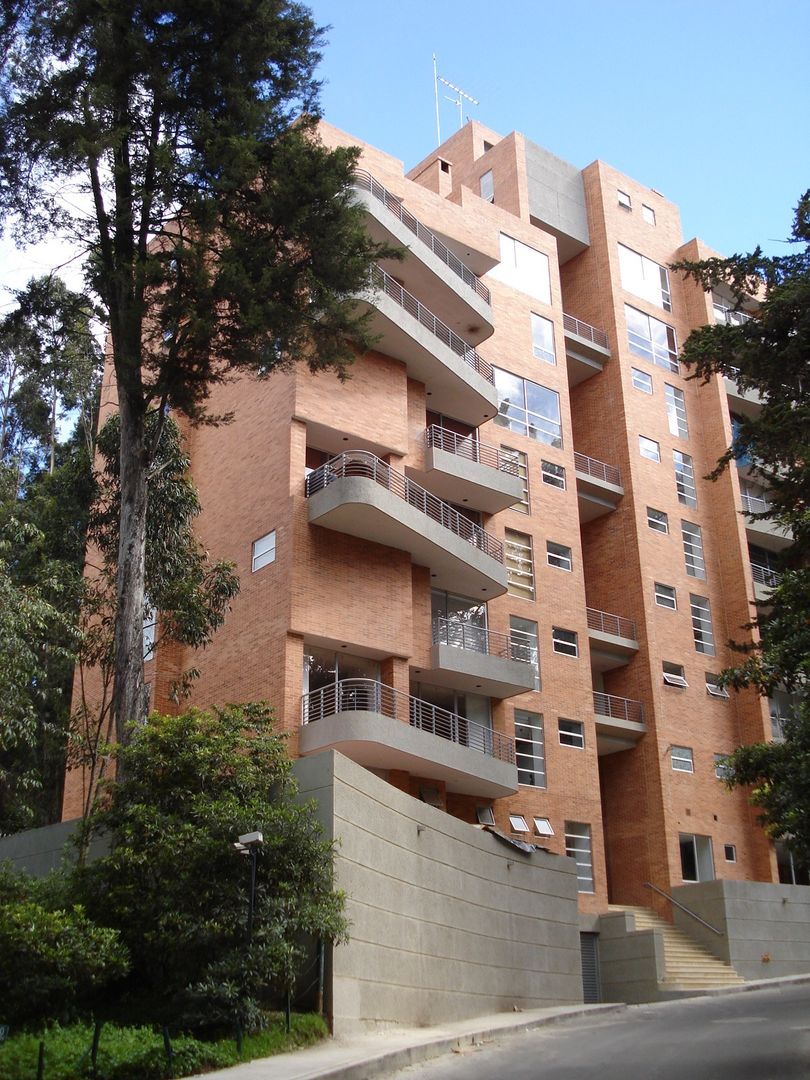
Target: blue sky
705,100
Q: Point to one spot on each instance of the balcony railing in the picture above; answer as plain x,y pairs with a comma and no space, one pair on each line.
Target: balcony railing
598,469
467,447
618,708
362,463
755,504
435,326
585,330
606,623
763,575
368,695
465,635
364,180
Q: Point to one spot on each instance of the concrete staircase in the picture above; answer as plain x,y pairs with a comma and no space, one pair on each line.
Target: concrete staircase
689,966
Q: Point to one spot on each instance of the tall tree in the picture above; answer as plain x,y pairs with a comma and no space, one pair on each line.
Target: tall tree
768,350
222,235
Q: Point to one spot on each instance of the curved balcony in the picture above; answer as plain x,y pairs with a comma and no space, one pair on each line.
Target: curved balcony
382,728
457,295
458,381
586,349
461,469
619,722
358,494
478,660
613,640
599,487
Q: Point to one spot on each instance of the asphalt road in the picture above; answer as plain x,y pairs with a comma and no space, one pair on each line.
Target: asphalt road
760,1035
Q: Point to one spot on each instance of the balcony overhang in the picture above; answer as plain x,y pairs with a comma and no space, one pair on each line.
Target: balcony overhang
358,506
466,482
584,357
424,274
596,497
614,734
377,741
452,385
477,672
746,402
609,651
765,533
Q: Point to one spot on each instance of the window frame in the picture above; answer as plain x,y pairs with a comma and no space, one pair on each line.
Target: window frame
685,478
521,460
569,648
528,641
573,738
520,419
713,690
645,444
534,759
574,831
686,756
486,186
648,214
518,563
518,823
646,346
539,351
560,557
662,591
544,829
637,376
271,549
624,200
693,557
701,611
676,411
674,674
665,522
644,277
552,478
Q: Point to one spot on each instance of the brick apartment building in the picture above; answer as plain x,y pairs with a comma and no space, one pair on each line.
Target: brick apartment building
488,567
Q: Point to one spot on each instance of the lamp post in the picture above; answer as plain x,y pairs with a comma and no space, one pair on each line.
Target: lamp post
249,844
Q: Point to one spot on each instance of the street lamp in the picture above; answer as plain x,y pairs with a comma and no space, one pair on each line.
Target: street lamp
249,844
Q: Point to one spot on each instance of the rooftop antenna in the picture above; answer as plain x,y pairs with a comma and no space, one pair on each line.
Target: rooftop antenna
462,96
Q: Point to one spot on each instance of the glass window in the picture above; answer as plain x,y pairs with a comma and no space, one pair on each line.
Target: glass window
264,551
564,641
572,733
527,408
685,478
693,549
519,564
730,852
523,268
578,847
665,596
648,214
676,411
624,200
523,644
485,815
542,826
713,687
644,277
521,468
553,474
682,759
543,339
649,448
651,339
530,751
657,520
722,770
518,823
642,381
149,630
702,624
558,555
674,674
486,187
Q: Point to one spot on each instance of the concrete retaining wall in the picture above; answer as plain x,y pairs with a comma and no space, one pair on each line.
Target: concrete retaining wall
447,921
765,928
631,962
38,851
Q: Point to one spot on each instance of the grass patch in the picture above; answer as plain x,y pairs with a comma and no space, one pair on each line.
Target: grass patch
137,1053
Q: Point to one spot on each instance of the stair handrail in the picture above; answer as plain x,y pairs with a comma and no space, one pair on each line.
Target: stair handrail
683,907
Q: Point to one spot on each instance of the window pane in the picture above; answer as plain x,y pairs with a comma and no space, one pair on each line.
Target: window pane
665,596
684,478
642,381
682,759
564,641
693,549
649,448
264,551
558,555
527,408
543,339
702,624
657,520
519,564
676,411
523,644
651,339
530,755
572,733
487,187
553,474
578,847
644,277
523,268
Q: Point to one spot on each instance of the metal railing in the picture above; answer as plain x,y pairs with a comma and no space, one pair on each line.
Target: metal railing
598,469
755,504
611,624
465,635
585,330
683,907
466,446
362,463
618,708
368,695
365,181
763,575
435,326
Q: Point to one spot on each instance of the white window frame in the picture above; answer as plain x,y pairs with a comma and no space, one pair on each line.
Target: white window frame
685,478
642,380
574,735
721,770
543,347
666,596
552,478
702,628
648,214
562,645
732,858
674,674
625,202
518,823
651,339
486,186
676,411
558,555
682,759
263,551
523,268
692,537
543,827
519,560
657,527
649,448
522,420
531,762
485,815
579,847
713,690
644,277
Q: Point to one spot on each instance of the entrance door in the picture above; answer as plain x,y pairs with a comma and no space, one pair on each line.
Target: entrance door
697,862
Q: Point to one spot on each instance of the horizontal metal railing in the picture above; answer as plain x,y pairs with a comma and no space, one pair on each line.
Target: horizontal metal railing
466,446
364,180
585,330
368,695
618,708
683,907
598,469
363,463
435,326
763,575
611,624
755,504
465,635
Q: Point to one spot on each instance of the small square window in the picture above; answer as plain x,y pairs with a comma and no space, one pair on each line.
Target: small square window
564,641
649,448
518,823
625,201
674,674
553,474
264,551
722,770
682,760
665,596
730,852
542,826
572,733
713,689
642,381
657,520
485,815
558,555
648,214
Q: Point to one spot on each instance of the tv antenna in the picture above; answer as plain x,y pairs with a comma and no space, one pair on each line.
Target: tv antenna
459,100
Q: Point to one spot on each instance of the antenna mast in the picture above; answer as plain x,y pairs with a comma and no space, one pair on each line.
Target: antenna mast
462,96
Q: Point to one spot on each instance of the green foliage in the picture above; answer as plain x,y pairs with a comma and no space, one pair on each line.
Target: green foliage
770,353
55,960
175,888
